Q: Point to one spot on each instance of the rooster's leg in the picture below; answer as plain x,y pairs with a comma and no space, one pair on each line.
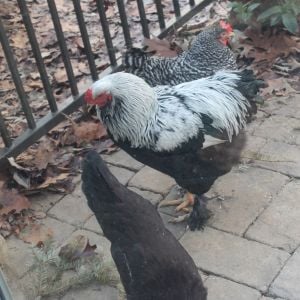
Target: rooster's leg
184,203
189,200
199,215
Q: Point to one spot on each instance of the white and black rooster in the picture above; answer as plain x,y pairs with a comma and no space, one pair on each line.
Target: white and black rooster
191,131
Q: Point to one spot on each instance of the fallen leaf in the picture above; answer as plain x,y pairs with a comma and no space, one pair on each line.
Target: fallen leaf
36,234
6,85
76,247
60,75
11,201
45,154
272,46
161,47
52,180
278,87
23,181
13,163
88,131
19,39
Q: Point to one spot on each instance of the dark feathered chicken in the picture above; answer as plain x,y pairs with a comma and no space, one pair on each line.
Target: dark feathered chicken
191,131
208,54
152,263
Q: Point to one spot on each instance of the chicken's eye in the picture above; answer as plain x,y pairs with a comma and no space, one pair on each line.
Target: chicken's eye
103,99
224,38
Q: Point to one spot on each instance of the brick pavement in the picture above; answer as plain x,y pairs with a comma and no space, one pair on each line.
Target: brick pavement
250,248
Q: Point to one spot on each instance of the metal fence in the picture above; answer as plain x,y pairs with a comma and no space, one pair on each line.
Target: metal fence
37,128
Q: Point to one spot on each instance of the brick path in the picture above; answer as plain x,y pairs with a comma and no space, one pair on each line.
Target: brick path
250,248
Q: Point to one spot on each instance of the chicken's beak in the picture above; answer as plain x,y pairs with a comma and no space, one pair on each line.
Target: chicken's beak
231,34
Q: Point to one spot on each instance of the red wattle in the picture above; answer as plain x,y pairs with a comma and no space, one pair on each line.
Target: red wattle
88,97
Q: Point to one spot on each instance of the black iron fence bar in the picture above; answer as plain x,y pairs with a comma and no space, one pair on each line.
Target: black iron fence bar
192,2
144,21
85,39
4,132
52,119
160,14
63,46
187,13
43,126
107,36
47,123
16,77
124,23
176,8
37,54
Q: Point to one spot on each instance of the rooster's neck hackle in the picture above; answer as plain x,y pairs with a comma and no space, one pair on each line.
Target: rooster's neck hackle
134,104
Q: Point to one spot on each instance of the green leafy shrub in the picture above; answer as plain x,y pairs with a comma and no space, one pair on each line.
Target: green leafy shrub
271,13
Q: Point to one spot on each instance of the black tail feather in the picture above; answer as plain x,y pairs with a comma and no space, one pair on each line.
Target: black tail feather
249,86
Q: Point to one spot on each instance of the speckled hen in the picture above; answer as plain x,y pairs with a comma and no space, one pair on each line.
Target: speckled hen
208,54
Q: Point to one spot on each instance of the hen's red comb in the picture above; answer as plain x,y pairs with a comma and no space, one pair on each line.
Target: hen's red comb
225,25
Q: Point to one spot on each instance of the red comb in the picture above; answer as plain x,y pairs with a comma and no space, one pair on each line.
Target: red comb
88,97
225,25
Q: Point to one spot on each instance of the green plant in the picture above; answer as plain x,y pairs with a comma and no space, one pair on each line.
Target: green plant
283,12
244,11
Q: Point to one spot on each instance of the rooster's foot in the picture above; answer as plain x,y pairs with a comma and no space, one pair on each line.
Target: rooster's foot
179,219
173,202
184,203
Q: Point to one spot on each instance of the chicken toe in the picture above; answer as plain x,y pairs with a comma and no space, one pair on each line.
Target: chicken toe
168,202
188,201
179,219
183,204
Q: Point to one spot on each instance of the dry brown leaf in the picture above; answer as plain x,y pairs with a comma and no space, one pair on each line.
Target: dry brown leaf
278,87
52,180
60,75
11,201
34,84
36,234
19,39
161,47
78,41
269,47
88,131
45,154
6,85
22,180
13,163
76,247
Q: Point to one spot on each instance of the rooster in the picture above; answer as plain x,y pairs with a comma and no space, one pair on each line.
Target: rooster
209,53
191,131
152,263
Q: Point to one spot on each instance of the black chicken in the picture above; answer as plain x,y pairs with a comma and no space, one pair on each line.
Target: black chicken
191,131
152,263
208,54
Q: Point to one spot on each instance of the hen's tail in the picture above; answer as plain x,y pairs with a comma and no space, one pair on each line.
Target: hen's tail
135,58
249,86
